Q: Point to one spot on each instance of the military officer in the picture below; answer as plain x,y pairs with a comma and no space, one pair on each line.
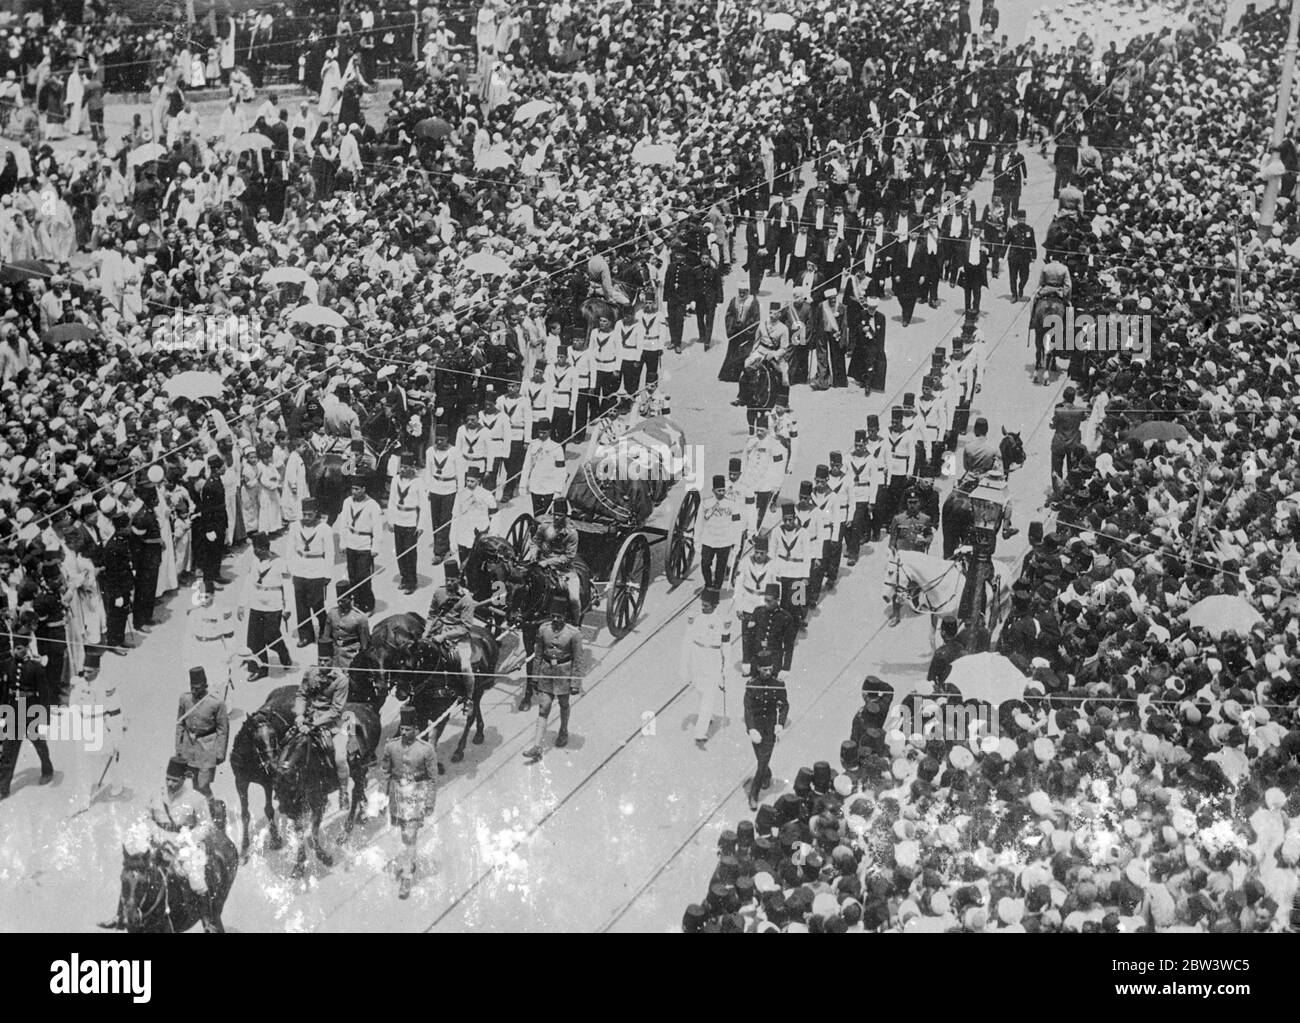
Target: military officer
410,767
911,529
765,467
830,504
318,706
266,601
867,474
545,473
772,628
718,526
557,653
793,560
766,710
202,732
471,515
900,454
310,557
444,474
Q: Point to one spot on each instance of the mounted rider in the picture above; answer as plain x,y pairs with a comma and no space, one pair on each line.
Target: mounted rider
554,545
1055,280
318,707
451,614
985,472
177,827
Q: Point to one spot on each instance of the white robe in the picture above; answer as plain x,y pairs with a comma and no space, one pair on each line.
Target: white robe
293,488
331,89
74,96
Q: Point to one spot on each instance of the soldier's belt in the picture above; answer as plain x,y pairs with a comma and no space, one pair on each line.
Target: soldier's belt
558,660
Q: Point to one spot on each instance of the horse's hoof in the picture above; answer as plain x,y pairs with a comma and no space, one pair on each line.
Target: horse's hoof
478,739
458,756
441,769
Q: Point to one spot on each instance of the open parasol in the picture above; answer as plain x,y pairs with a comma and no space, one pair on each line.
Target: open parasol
433,128
485,263
145,153
318,316
657,154
778,21
1157,429
23,270
533,109
1222,613
250,140
193,384
988,677
61,333
286,275
493,159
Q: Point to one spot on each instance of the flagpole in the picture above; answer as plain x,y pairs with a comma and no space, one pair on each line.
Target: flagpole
1272,186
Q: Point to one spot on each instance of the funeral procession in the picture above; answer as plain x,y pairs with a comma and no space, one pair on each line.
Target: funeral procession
670,466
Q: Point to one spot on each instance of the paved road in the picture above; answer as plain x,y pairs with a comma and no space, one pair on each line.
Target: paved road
616,832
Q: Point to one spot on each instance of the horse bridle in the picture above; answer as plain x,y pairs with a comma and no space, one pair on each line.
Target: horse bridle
161,898
921,591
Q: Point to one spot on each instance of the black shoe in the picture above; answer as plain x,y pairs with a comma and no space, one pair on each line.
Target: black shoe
404,888
303,642
46,777
533,754
286,662
753,801
562,739
257,676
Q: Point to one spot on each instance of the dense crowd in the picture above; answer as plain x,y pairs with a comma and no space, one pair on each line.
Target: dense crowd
1147,779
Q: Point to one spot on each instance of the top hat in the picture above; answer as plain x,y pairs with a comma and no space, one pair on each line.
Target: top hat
821,776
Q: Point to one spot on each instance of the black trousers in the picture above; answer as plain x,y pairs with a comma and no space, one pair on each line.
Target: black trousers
676,324
514,465
588,408
704,314
208,554
762,720
607,382
52,642
907,303
408,553
755,277
650,360
971,299
561,430
265,635
146,584
440,506
713,565
309,606
115,618
762,498
832,551
541,504
859,528
361,564
9,750
1019,277
631,373
1062,456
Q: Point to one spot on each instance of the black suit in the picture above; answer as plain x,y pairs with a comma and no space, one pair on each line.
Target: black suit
773,630
909,274
210,518
784,234
116,583
974,278
1022,249
760,252
678,294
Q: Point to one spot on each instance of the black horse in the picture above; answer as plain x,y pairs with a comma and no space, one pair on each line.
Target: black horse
956,518
433,686
399,658
305,777
327,483
1046,318
253,755
155,899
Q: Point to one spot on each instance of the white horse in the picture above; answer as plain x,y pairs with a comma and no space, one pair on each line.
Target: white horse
934,586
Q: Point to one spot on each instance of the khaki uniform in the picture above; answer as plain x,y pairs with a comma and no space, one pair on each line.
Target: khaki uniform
556,655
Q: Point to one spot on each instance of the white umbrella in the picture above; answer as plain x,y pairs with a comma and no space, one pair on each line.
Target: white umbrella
194,384
660,155
493,159
286,275
317,316
778,21
533,109
988,677
1233,50
145,153
485,263
1222,613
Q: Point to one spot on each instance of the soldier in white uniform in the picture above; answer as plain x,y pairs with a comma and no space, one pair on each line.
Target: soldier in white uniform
309,552
359,525
472,514
408,517
545,471
444,472
765,466
866,474
753,573
706,657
